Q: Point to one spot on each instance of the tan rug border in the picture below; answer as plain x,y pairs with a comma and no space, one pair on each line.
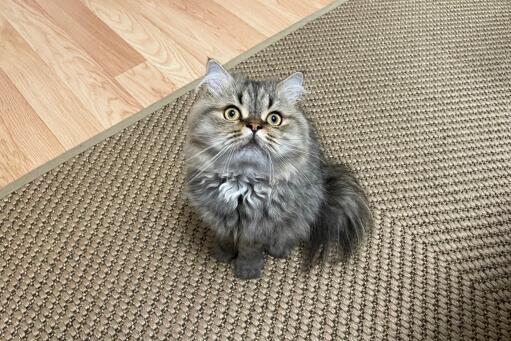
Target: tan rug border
37,172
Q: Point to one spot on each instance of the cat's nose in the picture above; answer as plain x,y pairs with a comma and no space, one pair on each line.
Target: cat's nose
254,126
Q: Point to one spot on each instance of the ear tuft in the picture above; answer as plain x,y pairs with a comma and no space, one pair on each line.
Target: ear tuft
217,79
292,88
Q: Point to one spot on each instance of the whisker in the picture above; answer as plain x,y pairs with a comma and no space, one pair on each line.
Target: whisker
302,151
229,135
205,150
272,169
286,161
272,172
229,159
210,162
308,156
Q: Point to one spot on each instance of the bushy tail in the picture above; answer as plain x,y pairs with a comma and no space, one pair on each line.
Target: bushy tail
344,218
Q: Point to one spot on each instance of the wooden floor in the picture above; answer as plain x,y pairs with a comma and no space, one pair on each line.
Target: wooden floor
70,69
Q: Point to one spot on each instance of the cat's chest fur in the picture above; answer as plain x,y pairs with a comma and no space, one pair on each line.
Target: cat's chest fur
240,191
252,205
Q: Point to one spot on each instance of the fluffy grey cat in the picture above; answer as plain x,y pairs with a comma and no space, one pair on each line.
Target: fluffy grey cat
255,174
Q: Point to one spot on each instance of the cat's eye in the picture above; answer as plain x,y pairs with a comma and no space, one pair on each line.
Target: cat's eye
232,114
274,119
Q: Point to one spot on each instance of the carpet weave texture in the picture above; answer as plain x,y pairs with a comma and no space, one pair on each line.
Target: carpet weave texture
414,95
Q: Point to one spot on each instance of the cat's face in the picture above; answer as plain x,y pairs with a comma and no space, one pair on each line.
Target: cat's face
247,125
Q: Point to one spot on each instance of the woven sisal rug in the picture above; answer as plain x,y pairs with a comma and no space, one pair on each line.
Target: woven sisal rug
414,95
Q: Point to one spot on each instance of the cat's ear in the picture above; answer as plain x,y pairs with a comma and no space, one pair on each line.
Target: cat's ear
216,79
292,88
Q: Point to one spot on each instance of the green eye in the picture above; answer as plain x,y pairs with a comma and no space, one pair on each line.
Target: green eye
232,114
274,119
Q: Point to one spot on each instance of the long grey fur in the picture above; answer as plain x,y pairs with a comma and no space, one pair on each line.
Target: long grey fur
264,188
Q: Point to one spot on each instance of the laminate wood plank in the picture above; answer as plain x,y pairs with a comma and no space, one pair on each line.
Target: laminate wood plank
25,141
98,92
290,15
55,104
146,83
295,10
210,17
95,37
322,3
185,39
267,21
13,163
190,25
189,31
174,62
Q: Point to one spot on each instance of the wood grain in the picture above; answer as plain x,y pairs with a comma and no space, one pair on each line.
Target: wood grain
96,90
70,69
99,40
155,45
268,21
190,32
212,22
55,104
146,83
296,9
186,30
25,141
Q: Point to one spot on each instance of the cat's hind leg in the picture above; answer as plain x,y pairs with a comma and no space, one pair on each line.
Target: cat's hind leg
281,244
280,250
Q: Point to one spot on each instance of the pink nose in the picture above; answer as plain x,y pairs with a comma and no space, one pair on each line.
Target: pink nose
254,126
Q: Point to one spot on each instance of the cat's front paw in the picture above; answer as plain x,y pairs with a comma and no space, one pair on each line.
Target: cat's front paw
248,270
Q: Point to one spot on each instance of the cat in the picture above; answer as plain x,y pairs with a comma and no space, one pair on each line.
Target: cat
255,174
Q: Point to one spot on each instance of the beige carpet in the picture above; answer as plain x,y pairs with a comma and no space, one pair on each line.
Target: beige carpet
414,95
